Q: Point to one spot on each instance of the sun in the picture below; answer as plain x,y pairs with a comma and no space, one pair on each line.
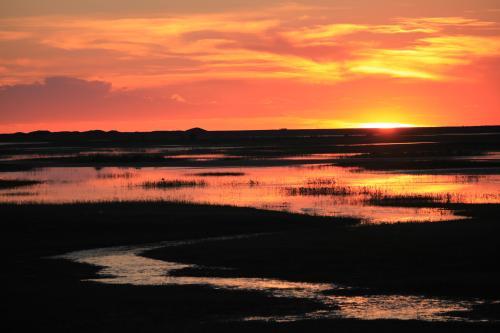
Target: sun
385,125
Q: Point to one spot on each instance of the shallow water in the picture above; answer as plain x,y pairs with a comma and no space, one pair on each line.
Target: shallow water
125,265
273,188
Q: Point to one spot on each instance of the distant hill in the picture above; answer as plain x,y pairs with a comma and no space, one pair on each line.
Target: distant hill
196,130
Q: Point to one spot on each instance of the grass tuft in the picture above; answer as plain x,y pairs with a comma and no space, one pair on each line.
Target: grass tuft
175,183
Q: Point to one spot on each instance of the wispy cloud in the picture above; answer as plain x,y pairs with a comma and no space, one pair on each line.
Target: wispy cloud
319,47
154,51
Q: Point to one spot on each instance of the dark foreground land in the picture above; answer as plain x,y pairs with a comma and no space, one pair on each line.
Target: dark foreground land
454,259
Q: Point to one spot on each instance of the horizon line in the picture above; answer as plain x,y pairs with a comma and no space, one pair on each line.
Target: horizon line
252,130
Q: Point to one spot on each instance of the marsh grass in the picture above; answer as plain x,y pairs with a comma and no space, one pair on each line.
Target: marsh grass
236,184
115,175
320,191
321,181
328,187
380,198
174,183
18,194
376,196
13,183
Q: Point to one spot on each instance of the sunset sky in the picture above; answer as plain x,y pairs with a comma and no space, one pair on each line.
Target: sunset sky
227,64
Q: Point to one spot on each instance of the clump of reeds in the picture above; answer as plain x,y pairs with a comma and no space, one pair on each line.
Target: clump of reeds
385,199
467,178
174,183
253,183
320,191
321,181
114,175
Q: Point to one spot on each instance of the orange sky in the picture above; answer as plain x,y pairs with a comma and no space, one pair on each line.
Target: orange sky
225,64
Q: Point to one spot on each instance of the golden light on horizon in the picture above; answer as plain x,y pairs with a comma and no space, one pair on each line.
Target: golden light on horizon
387,125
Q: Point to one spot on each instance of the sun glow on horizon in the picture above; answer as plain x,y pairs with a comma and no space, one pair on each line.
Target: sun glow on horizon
387,125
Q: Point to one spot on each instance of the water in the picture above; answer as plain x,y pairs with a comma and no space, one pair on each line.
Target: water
125,265
276,188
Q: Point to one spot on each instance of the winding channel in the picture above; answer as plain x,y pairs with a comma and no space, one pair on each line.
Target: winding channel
125,265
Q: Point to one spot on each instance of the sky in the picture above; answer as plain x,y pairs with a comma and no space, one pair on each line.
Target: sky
145,65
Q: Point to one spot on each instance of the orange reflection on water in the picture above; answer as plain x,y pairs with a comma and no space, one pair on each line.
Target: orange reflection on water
313,189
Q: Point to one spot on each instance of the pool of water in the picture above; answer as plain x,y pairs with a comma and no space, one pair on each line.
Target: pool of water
311,189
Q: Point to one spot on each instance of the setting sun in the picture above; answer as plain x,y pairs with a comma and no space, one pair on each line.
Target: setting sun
386,125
